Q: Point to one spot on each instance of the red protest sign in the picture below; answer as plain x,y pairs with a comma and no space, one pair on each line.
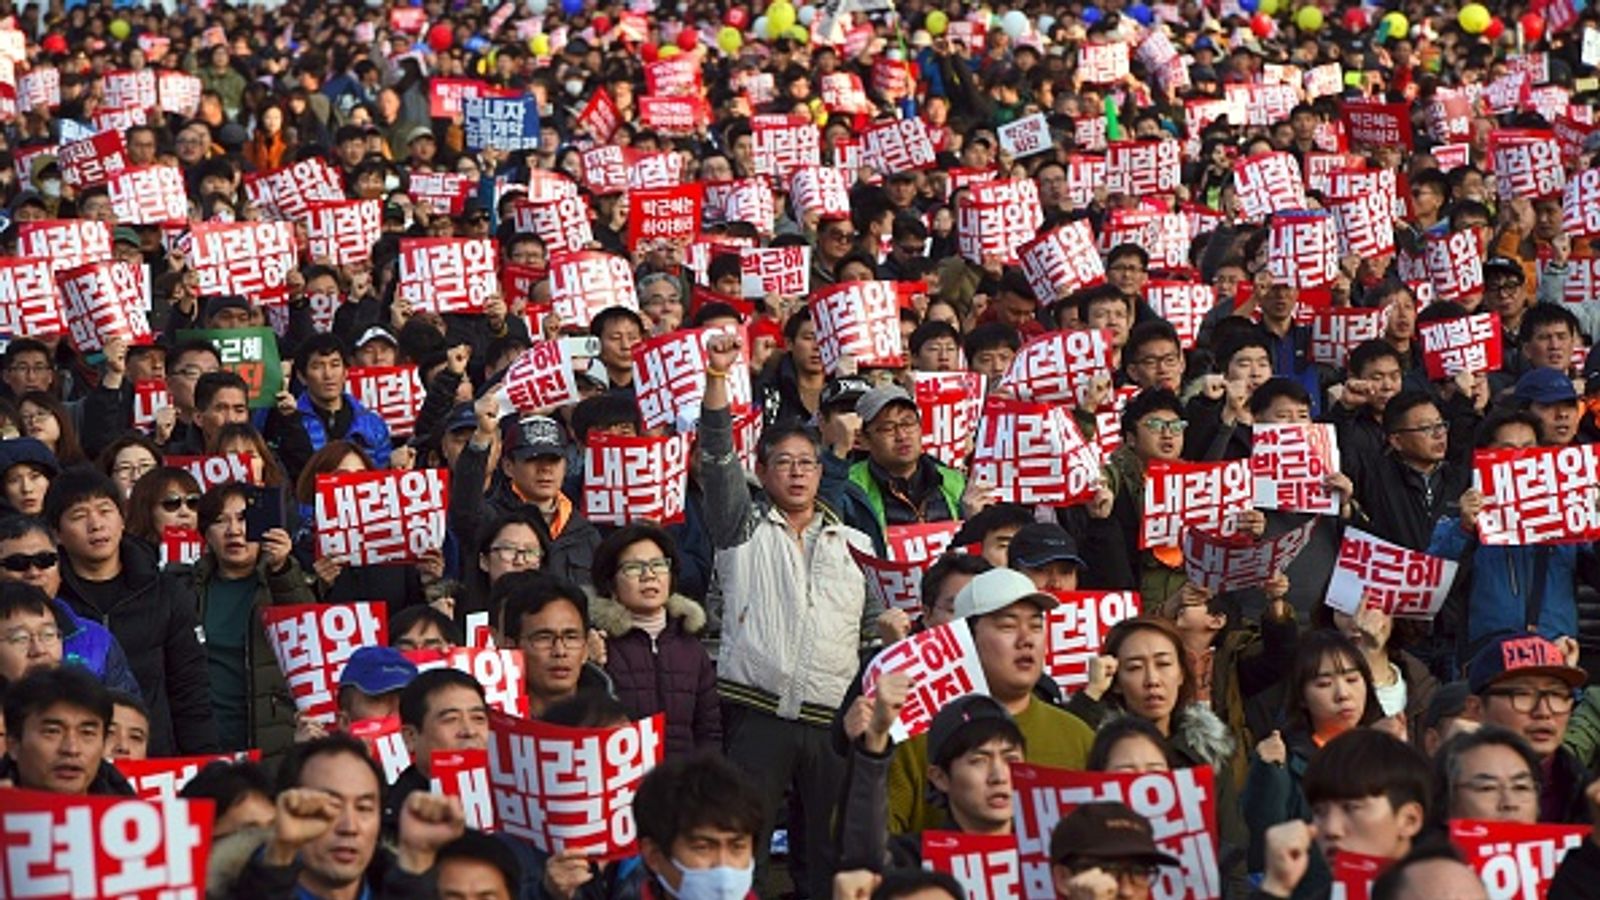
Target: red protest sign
250,259
1208,496
66,243
1354,873
1075,631
90,161
28,304
1319,168
500,672
896,582
148,195
1267,183
651,171
562,223
1165,236
1365,225
445,193
1454,264
1538,495
149,398
1240,562
604,170
1468,344
627,479
59,846
540,378
901,145
343,232
843,92
464,774
1184,304
162,778
680,116
571,789
1398,580
382,517
39,89
1061,261
950,403
986,865
1058,365
1303,249
1102,63
782,145
669,214
858,319
212,470
447,96
1143,168
1580,205
1377,124
1289,462
942,664
103,301
996,218
822,191
1181,806
393,392
448,275
408,19
784,271
670,377
678,76
180,546
312,642
287,192
582,284
1515,859
600,118
1034,453
385,744
128,88
1527,164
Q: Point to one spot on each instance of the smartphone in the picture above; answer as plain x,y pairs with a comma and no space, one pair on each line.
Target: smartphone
263,511
586,346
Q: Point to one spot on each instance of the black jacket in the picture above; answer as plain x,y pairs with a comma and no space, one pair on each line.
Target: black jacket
155,622
1400,504
570,554
385,880
108,782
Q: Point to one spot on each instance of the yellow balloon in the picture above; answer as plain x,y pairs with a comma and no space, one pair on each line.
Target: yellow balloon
936,22
729,39
1268,7
1474,18
798,34
668,52
780,16
1308,18
120,29
540,44
1399,25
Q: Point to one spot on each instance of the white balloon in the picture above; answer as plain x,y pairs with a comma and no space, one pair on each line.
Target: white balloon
759,27
807,13
1015,23
538,7
1046,23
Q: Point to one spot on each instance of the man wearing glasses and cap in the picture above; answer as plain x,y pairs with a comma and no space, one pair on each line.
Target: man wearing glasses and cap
1105,850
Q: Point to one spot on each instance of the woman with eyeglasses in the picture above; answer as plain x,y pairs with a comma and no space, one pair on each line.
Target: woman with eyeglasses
128,458
515,541
236,579
46,419
164,497
653,650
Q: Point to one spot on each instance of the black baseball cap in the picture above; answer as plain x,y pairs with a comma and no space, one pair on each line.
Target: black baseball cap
956,717
1041,543
843,391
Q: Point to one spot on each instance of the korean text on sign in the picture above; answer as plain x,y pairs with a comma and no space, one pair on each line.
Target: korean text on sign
499,671
670,377
571,789
1398,580
313,641
28,301
1540,495
374,518
896,582
1469,344
464,774
1059,365
210,470
55,845
1034,453
898,146
1289,462
1075,631
343,232
996,218
1515,859
251,259
985,865
393,392
858,319
951,403
448,275
287,193
1061,261
102,301
1240,562
1268,183
631,478
1181,806
583,284
162,778
942,664
1208,496
66,243
540,377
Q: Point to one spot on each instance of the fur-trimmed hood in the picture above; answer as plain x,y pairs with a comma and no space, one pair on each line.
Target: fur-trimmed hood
1198,734
613,618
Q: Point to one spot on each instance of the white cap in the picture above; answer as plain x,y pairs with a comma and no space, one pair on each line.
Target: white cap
997,589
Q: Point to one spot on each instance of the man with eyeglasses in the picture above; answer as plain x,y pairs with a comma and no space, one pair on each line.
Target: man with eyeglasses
1402,493
1152,429
28,557
1527,684
185,364
1505,295
548,619
1105,849
897,484
1153,356
909,241
28,367
1490,774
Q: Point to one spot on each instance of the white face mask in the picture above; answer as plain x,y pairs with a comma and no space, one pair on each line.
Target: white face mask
574,87
391,183
50,188
715,883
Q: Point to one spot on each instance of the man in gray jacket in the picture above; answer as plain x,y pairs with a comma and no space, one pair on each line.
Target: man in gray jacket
794,613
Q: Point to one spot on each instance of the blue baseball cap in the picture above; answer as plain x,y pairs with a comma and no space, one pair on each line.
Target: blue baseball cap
1517,653
1544,385
377,670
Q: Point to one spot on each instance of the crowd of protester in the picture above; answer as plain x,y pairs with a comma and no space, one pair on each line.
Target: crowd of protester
747,623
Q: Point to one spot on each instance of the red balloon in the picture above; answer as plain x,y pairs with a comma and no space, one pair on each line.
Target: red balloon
688,39
601,25
1532,26
440,37
650,52
1355,19
53,43
1261,24
737,17
1495,29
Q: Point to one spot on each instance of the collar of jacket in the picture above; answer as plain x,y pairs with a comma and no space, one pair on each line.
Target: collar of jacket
611,617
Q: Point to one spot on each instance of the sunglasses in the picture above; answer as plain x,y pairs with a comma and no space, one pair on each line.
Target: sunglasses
22,562
173,502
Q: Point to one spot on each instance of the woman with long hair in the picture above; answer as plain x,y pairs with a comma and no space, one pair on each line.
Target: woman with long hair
46,419
165,497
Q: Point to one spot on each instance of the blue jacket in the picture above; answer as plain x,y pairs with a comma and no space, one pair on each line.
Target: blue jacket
1501,583
367,428
90,645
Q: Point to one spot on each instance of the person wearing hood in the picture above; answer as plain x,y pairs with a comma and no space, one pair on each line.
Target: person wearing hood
652,646
26,469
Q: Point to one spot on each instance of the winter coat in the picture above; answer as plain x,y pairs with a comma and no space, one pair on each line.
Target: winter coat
270,710
107,782
237,870
571,553
155,624
1503,596
1400,504
1157,582
670,674
90,645
1273,794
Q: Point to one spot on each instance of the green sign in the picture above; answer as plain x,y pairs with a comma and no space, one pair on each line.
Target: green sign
252,353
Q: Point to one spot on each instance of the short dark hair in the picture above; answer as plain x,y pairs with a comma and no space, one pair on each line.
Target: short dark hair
407,619
1274,388
1391,884
227,783
192,345
1146,402
1368,352
475,846
945,566
335,744
1087,298
43,688
774,435
1119,729
213,501
1491,425
696,791
21,597
1128,249
588,708
971,736
76,485
1402,403
528,593
211,383
25,345
1540,315
1229,345
17,525
930,331
604,410
899,883
1366,762
1447,761
415,695
319,344
991,336
1149,332
603,318
607,557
